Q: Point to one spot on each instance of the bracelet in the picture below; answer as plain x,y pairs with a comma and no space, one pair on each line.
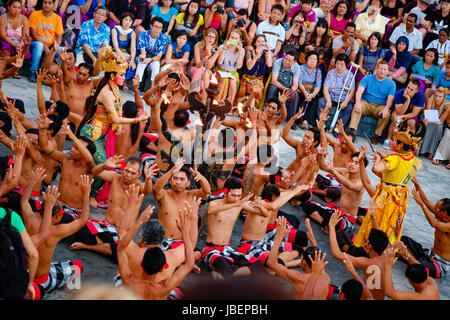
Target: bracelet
406,258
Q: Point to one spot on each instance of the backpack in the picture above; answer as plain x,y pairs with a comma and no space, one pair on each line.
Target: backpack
13,261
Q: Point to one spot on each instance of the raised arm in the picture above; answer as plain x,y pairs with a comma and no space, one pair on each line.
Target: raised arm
363,173
85,154
281,270
31,219
184,223
49,200
205,188
14,171
366,295
43,123
65,230
158,187
435,223
359,262
424,198
285,132
110,163
389,289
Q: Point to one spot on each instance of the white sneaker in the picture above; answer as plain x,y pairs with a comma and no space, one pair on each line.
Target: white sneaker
387,144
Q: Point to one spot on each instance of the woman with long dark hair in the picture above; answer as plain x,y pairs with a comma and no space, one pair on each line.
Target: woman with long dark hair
339,17
319,40
104,108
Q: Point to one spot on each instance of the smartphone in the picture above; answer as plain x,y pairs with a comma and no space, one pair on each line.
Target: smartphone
233,42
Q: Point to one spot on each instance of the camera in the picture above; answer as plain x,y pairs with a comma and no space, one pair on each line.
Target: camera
240,23
220,9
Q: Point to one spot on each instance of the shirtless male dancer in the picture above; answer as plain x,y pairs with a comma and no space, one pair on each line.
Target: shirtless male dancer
352,192
295,277
52,275
328,186
425,287
31,160
141,266
78,162
101,235
217,254
171,201
255,243
378,243
437,261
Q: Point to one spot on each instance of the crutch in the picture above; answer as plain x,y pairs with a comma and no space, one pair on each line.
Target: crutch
344,88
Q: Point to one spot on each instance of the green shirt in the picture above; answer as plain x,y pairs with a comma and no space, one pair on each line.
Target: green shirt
16,220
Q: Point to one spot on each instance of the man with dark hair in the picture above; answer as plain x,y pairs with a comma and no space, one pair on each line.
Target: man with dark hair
217,254
328,186
78,162
151,45
94,34
285,74
339,87
378,243
245,25
46,32
298,279
409,31
437,260
272,29
52,275
145,267
101,236
409,103
305,164
346,43
257,241
77,86
352,192
425,288
172,201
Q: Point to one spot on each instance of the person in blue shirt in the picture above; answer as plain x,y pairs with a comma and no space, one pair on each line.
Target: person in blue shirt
443,79
165,11
177,51
374,98
151,46
94,33
88,7
408,102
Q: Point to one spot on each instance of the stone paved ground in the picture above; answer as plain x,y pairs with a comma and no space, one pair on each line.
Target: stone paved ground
99,269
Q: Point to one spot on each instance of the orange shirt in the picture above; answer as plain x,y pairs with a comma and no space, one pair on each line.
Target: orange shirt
46,28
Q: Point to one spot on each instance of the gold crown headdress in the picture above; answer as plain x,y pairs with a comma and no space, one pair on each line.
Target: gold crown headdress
111,61
406,137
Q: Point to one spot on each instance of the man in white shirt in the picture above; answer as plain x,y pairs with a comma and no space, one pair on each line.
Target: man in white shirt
272,29
408,30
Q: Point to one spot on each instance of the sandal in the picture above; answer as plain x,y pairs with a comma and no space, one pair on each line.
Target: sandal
17,76
435,162
448,166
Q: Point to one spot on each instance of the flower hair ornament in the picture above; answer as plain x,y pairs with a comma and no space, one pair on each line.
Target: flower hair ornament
111,61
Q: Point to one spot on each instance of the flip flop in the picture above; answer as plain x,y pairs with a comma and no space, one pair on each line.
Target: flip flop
448,166
17,76
435,163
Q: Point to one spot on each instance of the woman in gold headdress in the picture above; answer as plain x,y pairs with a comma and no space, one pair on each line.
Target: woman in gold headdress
391,195
104,108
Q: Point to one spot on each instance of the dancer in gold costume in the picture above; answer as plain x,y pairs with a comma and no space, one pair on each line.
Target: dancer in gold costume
104,108
391,195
